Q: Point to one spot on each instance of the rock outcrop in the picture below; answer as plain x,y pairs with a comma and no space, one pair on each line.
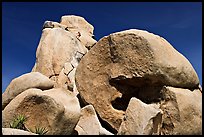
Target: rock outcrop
131,63
80,27
13,131
128,83
24,82
57,110
60,49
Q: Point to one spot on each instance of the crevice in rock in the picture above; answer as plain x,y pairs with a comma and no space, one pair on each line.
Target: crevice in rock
81,101
114,54
53,76
171,112
78,55
157,121
91,46
141,88
74,132
106,125
45,88
167,128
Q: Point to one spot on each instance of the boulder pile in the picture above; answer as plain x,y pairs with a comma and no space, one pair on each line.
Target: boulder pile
131,82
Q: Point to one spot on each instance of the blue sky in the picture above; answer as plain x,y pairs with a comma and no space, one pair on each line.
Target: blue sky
180,23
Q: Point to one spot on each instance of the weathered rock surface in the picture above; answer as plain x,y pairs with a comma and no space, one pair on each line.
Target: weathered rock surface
24,82
12,131
56,48
182,111
61,47
80,27
140,119
126,64
89,124
57,110
133,81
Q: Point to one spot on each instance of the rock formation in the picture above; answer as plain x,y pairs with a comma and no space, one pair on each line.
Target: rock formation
60,49
132,63
57,110
128,83
24,82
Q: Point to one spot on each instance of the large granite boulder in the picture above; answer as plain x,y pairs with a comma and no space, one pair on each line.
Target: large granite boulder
24,82
57,110
131,63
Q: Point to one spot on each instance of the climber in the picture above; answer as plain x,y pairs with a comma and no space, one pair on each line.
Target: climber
78,35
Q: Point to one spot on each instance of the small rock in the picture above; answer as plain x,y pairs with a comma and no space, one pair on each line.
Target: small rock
140,119
89,124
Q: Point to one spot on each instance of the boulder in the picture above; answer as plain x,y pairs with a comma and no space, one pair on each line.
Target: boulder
56,48
81,28
131,63
57,110
182,111
140,119
89,124
13,131
61,47
24,82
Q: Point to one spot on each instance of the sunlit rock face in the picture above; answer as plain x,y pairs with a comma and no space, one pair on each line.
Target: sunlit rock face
126,64
131,82
61,47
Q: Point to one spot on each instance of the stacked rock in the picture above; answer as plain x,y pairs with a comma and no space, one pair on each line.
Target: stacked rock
128,83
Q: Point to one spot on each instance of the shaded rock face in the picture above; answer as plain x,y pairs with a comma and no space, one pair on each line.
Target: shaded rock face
132,63
24,82
178,113
12,131
182,111
57,110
